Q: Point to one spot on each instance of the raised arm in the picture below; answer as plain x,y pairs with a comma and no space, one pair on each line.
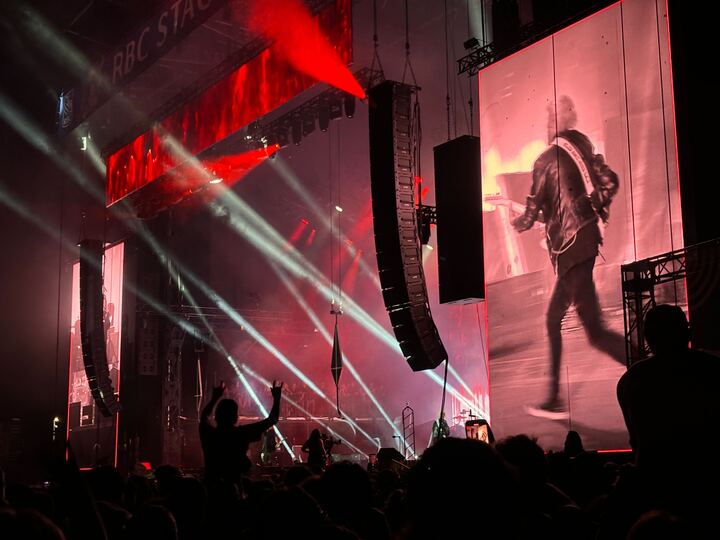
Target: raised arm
276,391
254,431
207,411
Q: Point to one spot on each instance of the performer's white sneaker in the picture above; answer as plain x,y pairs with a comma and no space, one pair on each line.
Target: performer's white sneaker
552,410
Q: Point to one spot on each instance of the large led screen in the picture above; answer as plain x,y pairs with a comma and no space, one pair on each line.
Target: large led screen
579,175
93,437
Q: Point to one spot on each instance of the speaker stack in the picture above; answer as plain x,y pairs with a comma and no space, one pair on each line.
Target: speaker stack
458,198
397,244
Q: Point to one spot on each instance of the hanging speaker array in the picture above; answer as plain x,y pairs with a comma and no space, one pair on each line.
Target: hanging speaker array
397,244
92,327
458,199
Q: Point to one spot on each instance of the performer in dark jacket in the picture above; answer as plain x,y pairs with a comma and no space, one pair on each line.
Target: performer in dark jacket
571,193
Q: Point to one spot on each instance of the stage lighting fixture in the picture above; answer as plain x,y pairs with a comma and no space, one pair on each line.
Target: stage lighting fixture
253,129
215,181
296,131
349,105
423,230
280,137
324,116
308,125
471,43
338,208
335,106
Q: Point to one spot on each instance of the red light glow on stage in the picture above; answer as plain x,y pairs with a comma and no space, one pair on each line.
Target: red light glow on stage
233,168
297,232
251,91
420,190
191,177
298,39
311,238
364,222
350,277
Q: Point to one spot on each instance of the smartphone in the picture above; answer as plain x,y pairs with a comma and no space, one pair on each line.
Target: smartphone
478,429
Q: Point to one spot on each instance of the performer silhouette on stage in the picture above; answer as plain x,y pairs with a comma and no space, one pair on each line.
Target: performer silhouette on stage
315,449
571,193
319,447
440,429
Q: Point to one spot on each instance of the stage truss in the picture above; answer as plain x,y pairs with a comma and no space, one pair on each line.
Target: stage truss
685,276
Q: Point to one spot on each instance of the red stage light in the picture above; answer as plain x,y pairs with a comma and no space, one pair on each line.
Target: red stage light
364,222
298,39
297,232
190,178
350,277
234,167
310,238
254,89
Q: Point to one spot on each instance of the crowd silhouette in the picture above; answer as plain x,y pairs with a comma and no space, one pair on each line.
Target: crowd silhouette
459,488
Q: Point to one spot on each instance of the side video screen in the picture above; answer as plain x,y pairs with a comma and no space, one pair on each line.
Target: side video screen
579,175
92,435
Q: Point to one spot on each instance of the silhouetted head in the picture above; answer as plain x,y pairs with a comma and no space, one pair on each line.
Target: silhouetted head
301,515
561,117
666,329
167,478
226,412
657,525
347,490
27,523
296,475
106,484
473,473
573,444
152,523
315,434
526,456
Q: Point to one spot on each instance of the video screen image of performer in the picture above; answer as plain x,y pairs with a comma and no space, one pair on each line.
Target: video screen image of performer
571,193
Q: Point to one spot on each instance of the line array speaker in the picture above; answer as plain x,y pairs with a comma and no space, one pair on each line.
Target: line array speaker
92,327
395,225
458,200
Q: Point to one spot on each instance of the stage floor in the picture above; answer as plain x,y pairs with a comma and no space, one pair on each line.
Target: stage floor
519,364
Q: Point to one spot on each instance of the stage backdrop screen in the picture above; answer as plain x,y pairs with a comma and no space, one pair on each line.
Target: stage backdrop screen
579,175
92,436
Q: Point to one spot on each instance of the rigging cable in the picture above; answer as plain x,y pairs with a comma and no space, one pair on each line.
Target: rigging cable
376,49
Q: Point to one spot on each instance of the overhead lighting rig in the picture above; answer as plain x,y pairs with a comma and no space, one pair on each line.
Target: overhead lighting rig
301,121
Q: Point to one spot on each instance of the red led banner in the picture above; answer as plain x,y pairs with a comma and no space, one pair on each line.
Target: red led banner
254,89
